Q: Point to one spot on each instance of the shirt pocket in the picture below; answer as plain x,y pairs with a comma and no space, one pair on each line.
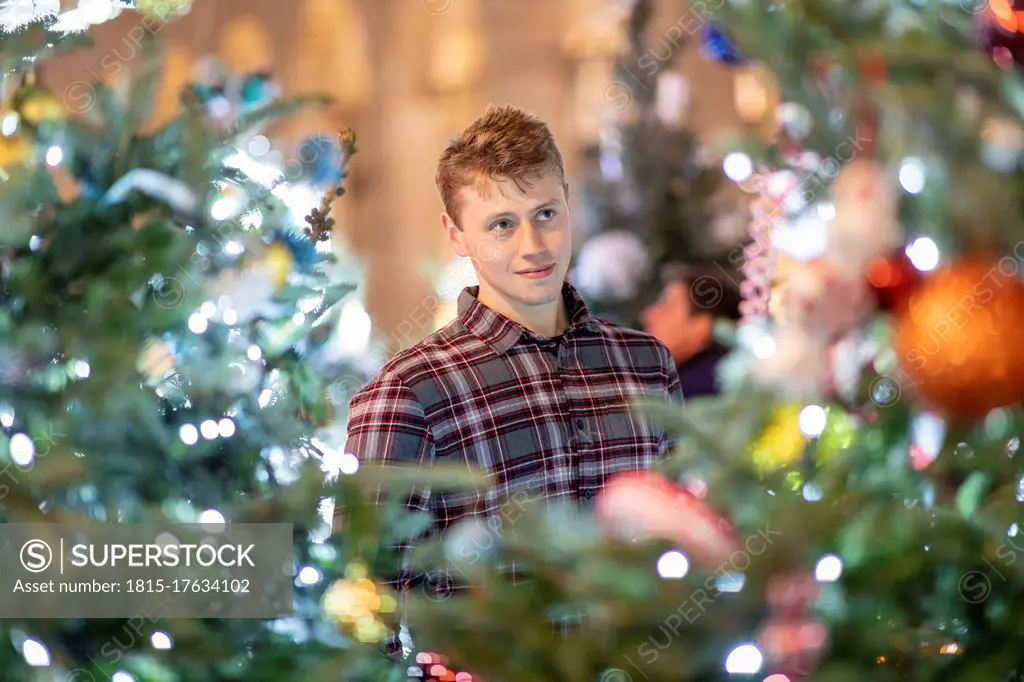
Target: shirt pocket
625,432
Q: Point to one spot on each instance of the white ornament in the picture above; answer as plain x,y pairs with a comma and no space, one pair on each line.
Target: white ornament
1002,144
471,542
14,14
795,119
244,377
798,368
779,184
175,193
803,238
612,265
865,225
850,356
249,291
98,11
821,302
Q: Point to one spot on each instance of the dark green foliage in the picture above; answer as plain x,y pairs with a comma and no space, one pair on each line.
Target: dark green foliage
96,277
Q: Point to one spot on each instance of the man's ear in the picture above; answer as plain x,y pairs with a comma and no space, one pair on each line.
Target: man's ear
455,235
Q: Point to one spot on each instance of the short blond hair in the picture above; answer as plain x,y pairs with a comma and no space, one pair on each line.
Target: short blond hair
505,142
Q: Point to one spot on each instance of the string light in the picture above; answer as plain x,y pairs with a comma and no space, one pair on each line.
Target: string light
211,516
737,166
673,565
923,254
828,569
912,175
812,420
35,653
226,427
54,155
309,575
22,449
9,124
745,659
189,434
348,464
161,640
197,323
209,429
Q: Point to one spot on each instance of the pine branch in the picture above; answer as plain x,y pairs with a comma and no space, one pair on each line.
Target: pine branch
320,222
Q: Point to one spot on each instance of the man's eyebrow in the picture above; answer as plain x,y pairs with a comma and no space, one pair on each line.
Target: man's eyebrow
510,214
494,216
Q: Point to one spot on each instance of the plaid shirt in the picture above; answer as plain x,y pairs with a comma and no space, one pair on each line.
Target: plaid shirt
545,418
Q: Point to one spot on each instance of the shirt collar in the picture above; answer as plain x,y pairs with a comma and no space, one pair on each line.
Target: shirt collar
501,333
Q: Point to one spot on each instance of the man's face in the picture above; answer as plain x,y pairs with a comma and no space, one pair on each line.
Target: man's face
673,321
519,240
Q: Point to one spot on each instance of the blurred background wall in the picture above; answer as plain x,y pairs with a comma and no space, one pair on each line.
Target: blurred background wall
407,75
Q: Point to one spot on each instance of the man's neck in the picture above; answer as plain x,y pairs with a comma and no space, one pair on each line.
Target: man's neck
547,321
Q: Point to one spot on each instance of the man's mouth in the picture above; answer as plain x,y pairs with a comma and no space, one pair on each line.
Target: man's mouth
538,273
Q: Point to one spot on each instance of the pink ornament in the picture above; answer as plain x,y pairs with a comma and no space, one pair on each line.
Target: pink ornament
758,262
642,503
780,185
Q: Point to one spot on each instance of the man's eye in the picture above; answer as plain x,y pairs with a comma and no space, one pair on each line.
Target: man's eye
547,214
502,225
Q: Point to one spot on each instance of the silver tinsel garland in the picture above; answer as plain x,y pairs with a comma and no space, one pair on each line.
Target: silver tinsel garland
71,16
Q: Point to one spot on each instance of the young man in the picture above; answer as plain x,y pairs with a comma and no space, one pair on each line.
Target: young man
682,318
525,384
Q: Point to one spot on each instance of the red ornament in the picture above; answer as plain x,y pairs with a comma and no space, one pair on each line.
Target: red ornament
645,504
793,647
1001,32
893,280
792,638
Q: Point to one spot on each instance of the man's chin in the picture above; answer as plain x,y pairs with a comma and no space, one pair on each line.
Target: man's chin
537,299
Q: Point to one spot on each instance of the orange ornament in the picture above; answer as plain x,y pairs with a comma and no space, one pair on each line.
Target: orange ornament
958,339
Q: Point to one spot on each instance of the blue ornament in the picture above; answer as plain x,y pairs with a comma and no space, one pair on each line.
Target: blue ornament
301,248
257,89
716,45
320,157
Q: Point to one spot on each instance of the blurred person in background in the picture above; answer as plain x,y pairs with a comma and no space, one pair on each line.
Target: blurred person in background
682,318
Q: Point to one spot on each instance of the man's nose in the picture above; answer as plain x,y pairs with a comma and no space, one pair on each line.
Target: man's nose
529,239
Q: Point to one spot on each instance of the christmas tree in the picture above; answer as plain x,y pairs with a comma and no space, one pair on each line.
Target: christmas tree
165,335
647,194
851,508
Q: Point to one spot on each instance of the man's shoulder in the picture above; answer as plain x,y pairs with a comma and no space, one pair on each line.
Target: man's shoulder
628,338
428,356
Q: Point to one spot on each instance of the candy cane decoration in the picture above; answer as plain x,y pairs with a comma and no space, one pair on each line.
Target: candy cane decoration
758,263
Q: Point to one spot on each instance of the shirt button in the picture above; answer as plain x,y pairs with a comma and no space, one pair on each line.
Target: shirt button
587,494
581,425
